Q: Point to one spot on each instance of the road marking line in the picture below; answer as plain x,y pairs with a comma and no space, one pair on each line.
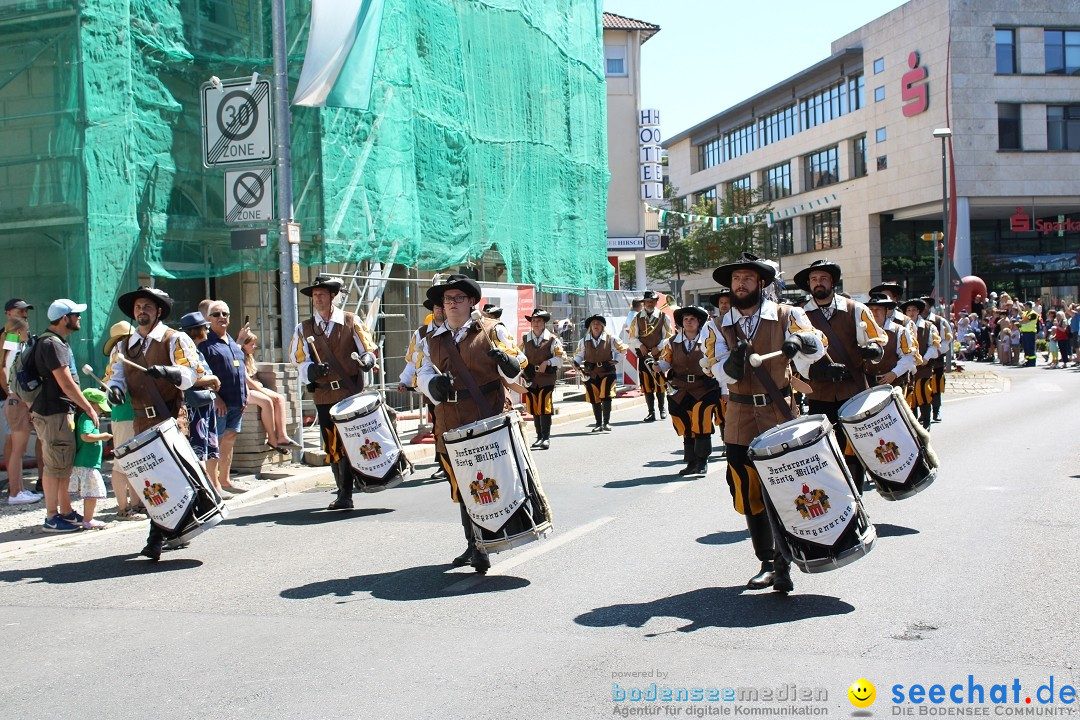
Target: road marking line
544,547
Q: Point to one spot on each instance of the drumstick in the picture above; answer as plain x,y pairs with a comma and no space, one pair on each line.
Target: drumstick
756,359
87,370
129,362
314,350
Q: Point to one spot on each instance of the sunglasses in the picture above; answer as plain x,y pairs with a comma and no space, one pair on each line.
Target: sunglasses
219,314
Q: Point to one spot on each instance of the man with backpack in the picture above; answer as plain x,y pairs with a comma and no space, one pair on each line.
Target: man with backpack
49,357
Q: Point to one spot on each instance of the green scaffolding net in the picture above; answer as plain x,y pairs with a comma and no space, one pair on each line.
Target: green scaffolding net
487,130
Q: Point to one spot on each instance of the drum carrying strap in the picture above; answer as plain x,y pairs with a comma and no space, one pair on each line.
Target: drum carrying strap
818,320
779,400
458,363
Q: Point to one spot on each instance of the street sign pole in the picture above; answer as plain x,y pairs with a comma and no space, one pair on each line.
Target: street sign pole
288,253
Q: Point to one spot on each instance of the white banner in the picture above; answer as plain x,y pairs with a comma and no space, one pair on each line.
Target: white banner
370,443
486,467
885,444
809,490
157,478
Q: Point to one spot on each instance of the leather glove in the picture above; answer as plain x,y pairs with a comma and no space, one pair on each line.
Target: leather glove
872,352
735,365
116,395
529,372
509,366
312,387
791,348
440,387
607,366
590,366
165,372
317,370
807,343
367,361
834,372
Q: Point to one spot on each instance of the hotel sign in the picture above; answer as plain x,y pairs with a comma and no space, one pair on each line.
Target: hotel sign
651,171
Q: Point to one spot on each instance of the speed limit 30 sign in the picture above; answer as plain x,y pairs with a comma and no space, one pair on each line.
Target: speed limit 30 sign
236,122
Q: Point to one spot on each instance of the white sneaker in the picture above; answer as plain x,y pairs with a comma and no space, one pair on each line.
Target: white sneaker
25,497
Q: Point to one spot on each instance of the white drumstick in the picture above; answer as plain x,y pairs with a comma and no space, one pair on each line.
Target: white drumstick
87,370
355,356
756,359
314,350
129,362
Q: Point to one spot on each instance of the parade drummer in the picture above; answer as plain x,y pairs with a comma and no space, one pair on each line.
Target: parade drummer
597,357
413,356
920,389
898,359
895,292
466,351
170,365
945,332
853,337
544,351
331,372
647,331
721,302
696,393
760,398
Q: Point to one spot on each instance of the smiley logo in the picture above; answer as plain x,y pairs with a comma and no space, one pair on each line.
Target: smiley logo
862,693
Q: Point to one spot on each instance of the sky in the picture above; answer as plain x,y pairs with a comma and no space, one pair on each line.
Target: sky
712,54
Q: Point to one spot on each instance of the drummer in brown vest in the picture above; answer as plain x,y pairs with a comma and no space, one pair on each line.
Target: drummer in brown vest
171,364
854,337
647,331
598,356
413,356
920,395
545,354
696,393
464,369
898,360
331,371
760,397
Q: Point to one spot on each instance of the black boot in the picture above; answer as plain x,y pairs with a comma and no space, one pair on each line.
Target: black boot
661,399
702,450
765,577
782,575
539,428
649,402
688,456
343,480
153,544
762,539
599,425
935,401
545,430
925,415
466,522
606,427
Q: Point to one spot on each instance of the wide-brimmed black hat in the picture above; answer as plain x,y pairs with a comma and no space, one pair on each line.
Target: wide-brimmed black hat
893,287
333,284
541,314
601,318
493,310
699,312
126,303
746,261
881,299
917,302
802,278
930,300
650,295
429,304
464,283
714,299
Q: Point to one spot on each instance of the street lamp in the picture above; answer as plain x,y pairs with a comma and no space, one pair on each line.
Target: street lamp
945,134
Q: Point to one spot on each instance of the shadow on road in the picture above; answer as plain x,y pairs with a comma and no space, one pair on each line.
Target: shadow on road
424,582
654,480
719,607
888,530
724,537
305,516
115,566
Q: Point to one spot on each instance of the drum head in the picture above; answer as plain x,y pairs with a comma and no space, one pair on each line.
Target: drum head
356,405
482,426
796,433
868,401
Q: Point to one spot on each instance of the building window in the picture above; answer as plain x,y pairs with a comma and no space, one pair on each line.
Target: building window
879,93
1008,126
709,154
822,168
615,60
739,191
1062,52
1063,127
779,125
1006,51
880,135
783,238
824,229
778,182
858,167
740,141
856,92
883,162
707,196
879,66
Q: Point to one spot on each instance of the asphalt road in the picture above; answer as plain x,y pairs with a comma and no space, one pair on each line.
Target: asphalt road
290,611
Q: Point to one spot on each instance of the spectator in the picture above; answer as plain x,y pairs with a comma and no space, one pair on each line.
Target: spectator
271,404
199,398
15,309
1004,342
1074,333
16,415
52,414
977,305
86,479
122,422
226,361
1058,337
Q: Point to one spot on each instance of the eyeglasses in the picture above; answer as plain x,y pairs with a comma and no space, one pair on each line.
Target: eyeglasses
454,299
219,314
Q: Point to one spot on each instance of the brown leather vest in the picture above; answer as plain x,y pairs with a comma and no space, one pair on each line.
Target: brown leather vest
688,364
650,338
598,354
842,323
474,349
538,354
922,334
341,345
886,363
138,382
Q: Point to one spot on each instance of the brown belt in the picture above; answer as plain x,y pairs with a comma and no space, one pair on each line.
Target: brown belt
758,400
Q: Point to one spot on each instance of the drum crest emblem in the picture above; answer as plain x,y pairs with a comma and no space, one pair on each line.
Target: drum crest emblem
886,452
484,490
370,450
155,494
812,503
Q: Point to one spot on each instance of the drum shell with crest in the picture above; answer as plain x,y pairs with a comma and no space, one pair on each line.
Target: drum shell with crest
370,441
164,472
815,509
498,483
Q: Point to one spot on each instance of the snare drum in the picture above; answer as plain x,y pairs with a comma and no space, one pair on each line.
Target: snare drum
497,483
889,442
812,501
370,441
162,469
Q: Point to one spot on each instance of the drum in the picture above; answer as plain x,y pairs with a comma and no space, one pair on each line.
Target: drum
497,483
370,441
889,442
814,507
163,470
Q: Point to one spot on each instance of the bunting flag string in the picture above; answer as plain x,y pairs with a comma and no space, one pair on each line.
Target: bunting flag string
715,222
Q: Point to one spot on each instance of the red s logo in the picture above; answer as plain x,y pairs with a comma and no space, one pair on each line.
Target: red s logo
1020,222
916,98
